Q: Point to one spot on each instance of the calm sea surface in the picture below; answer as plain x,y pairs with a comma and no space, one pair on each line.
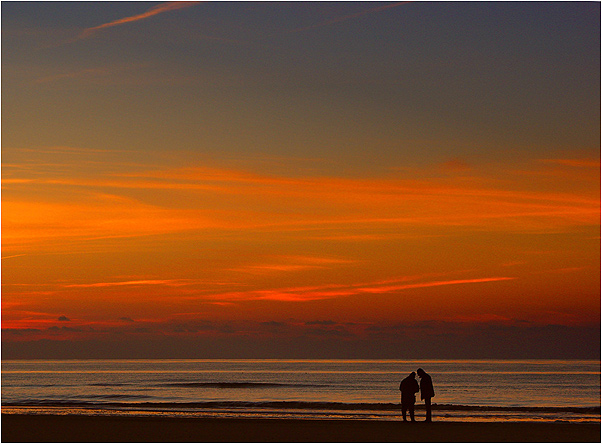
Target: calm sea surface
483,390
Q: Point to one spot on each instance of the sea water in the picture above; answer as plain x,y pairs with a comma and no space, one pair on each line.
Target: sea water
465,390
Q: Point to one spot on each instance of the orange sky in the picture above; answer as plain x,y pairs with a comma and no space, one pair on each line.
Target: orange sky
288,219
151,246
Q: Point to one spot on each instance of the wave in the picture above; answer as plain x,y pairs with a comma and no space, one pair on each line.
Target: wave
532,409
292,405
108,384
126,397
236,385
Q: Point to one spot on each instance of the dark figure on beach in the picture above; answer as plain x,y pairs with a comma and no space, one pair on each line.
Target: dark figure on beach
408,388
426,391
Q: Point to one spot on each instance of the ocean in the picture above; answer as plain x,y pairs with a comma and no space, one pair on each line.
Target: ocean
465,390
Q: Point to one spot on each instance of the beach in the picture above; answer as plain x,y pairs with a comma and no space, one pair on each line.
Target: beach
82,428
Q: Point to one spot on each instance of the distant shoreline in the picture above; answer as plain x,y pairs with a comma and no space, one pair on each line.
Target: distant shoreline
86,428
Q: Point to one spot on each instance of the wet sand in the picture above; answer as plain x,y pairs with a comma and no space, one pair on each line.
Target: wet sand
79,428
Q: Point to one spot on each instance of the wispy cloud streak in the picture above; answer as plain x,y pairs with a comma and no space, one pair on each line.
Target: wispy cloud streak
304,294
348,17
578,163
169,282
247,201
159,9
14,255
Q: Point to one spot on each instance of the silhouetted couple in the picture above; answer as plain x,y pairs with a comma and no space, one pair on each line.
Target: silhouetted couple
409,388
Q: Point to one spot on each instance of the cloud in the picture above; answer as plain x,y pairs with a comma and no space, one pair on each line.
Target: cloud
95,75
324,332
293,263
348,17
389,289
275,267
108,205
320,323
274,324
64,329
168,282
12,256
455,166
66,150
577,163
155,10
459,339
330,291
64,318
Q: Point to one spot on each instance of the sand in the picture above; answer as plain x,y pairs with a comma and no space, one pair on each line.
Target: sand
80,428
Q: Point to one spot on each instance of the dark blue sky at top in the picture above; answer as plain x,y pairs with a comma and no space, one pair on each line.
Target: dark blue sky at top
303,77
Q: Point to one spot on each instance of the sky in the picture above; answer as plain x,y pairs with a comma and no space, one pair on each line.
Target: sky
301,180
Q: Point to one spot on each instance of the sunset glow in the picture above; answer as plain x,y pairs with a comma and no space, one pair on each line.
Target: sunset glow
191,179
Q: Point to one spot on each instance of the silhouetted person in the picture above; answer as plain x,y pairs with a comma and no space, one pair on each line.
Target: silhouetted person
426,391
408,388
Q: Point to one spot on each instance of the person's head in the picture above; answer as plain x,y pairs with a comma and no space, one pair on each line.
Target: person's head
421,372
413,375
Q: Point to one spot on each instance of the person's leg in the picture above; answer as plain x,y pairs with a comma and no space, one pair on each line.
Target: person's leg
404,409
412,412
427,404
